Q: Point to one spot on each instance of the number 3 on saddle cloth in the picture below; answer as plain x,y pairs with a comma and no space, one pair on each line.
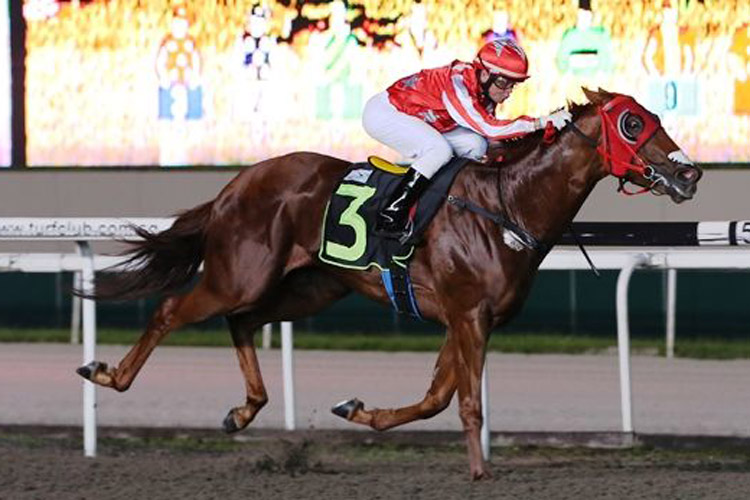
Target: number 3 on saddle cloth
348,237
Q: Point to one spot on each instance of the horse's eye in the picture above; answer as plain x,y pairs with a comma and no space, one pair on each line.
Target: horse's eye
631,126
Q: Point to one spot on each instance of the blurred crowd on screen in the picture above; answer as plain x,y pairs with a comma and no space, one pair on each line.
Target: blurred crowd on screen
186,82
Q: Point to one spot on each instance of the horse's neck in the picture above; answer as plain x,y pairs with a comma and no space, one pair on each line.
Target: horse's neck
544,193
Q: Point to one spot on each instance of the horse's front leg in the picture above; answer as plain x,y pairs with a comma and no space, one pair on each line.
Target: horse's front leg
243,328
471,341
438,398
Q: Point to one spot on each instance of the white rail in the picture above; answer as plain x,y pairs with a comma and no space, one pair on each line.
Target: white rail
627,260
84,263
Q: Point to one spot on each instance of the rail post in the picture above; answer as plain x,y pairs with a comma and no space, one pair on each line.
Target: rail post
671,310
623,341
287,362
89,348
485,433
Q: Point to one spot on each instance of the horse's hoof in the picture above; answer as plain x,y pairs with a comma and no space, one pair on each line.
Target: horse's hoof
480,475
230,426
88,371
346,409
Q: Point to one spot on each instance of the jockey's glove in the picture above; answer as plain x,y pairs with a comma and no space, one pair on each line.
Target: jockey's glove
558,119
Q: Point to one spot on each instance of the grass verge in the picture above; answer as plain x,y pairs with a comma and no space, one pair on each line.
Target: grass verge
523,343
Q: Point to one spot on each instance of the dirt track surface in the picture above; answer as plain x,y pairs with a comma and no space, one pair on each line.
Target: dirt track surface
45,463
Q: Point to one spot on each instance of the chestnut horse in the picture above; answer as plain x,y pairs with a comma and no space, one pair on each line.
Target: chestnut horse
258,241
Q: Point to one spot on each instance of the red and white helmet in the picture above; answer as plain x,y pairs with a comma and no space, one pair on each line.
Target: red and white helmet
503,57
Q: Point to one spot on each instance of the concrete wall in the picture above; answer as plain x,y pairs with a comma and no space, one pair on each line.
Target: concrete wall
104,193
722,195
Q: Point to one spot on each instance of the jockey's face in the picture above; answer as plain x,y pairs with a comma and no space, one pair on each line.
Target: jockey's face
500,89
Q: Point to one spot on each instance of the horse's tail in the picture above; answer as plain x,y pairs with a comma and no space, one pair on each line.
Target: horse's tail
160,263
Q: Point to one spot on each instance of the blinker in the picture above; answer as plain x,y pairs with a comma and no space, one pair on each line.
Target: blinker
620,145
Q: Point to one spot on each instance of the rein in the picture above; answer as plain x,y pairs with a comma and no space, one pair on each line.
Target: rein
521,235
615,166
525,237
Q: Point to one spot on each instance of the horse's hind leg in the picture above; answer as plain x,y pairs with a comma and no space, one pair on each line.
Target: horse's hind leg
302,293
243,327
196,305
232,279
438,397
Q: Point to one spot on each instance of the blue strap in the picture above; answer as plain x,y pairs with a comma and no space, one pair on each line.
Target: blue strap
385,274
401,292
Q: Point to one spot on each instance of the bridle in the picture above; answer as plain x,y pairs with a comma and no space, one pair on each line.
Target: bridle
620,153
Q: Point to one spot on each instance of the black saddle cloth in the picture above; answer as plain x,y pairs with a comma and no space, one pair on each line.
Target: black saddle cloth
348,238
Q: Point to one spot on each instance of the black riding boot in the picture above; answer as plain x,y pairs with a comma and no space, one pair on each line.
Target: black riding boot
393,219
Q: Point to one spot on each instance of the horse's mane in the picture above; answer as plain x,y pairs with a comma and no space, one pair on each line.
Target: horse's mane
512,149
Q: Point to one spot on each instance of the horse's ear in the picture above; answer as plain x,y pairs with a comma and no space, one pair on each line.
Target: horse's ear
598,97
594,97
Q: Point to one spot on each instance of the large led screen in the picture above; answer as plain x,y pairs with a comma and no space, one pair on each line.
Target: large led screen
201,82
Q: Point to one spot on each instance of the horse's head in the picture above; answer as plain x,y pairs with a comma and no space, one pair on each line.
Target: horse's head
636,148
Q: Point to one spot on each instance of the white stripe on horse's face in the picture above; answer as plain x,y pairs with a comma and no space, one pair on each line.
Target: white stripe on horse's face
680,157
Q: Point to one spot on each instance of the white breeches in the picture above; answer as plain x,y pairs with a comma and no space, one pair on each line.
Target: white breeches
419,143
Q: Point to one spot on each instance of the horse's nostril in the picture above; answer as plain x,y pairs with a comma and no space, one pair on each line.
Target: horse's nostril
688,174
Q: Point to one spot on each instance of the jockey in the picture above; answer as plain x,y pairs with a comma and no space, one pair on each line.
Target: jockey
429,116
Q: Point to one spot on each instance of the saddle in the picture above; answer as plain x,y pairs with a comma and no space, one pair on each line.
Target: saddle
348,238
